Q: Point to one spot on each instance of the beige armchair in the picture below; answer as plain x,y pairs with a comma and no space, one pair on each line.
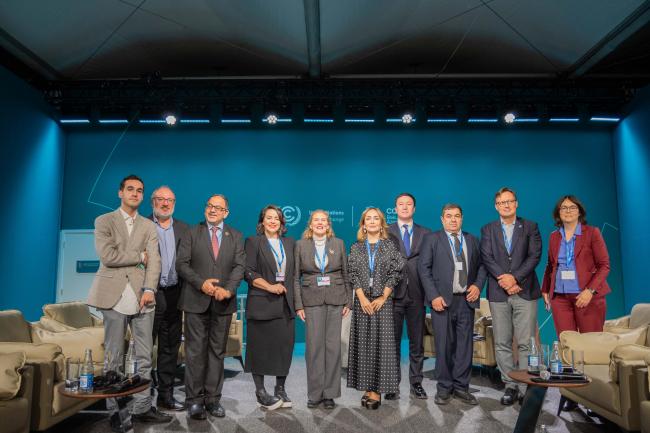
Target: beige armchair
611,361
16,384
68,316
643,381
483,337
48,406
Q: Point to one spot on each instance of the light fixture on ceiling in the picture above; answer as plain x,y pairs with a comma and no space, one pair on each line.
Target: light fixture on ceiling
509,118
271,119
407,118
170,119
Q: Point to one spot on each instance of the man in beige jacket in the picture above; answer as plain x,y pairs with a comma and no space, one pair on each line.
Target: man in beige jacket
124,289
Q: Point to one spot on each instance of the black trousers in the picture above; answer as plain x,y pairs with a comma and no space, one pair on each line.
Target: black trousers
167,328
206,335
453,330
414,314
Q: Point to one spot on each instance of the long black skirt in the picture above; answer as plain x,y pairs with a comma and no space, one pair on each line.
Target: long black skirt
269,346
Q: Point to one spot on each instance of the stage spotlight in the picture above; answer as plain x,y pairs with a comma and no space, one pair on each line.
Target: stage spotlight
271,119
170,119
509,118
407,118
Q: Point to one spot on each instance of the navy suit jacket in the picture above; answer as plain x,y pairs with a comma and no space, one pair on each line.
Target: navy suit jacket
436,267
410,282
521,262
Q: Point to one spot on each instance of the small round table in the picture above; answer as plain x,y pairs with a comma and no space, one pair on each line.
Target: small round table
534,399
126,425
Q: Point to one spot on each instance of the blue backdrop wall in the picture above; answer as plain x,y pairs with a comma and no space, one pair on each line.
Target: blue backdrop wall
345,171
31,163
632,149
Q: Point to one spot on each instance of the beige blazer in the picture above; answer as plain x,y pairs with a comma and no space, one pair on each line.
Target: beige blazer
120,255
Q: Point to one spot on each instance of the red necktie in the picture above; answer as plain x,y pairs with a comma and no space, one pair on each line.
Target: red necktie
215,242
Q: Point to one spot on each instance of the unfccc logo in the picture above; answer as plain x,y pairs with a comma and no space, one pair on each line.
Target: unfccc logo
291,215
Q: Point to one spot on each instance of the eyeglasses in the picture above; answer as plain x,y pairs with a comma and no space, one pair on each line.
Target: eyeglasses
165,200
506,202
572,208
218,208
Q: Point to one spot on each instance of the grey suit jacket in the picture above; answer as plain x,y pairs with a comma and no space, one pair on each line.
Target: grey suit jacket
307,293
410,285
119,256
195,263
436,267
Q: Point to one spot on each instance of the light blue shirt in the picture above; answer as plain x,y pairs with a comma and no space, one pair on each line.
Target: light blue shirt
167,244
567,286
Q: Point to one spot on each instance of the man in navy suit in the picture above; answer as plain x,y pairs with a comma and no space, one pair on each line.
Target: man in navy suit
408,295
511,249
452,276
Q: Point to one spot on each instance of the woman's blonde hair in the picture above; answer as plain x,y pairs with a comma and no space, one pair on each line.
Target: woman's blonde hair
309,234
383,230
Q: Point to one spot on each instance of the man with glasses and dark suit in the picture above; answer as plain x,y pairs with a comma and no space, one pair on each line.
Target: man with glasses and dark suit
212,262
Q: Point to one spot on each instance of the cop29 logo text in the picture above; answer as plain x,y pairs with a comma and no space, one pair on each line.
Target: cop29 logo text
291,215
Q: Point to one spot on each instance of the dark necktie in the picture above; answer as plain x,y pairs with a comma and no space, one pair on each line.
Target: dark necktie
407,240
215,242
460,257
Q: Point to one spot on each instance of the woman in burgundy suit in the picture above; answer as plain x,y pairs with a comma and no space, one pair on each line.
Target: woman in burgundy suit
574,284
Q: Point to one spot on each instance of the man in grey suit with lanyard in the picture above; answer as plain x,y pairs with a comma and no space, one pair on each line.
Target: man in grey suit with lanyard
211,261
511,249
409,295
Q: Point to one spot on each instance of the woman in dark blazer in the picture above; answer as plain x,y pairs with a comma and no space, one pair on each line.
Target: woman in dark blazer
375,264
323,298
574,285
269,306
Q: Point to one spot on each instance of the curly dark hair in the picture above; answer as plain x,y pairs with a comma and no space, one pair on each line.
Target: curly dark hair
260,220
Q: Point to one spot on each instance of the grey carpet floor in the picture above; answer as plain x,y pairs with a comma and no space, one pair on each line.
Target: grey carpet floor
404,415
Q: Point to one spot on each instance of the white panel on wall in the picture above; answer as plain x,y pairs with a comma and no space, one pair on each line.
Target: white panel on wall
75,246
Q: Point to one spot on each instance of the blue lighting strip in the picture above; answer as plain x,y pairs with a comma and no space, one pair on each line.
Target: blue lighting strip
564,119
74,121
283,120
526,120
398,120
235,121
359,120
204,121
482,120
605,119
442,120
152,121
318,120
113,121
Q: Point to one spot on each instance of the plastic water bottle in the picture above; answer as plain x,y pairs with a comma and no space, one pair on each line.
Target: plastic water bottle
533,357
131,364
543,429
87,373
556,360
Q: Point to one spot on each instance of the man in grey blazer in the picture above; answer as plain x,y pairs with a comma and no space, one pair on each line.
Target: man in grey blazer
452,276
125,286
211,261
409,296
511,249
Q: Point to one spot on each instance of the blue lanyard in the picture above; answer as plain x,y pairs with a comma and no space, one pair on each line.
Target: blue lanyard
321,262
453,247
505,238
279,259
570,246
371,256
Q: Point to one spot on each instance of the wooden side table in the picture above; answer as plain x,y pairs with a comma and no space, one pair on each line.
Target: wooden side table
126,425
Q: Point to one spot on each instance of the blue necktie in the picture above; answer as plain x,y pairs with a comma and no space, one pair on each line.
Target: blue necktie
407,240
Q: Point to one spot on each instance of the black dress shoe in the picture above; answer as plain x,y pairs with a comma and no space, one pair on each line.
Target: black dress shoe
570,405
373,404
267,401
170,403
442,398
215,409
197,411
116,424
465,397
510,396
328,403
364,400
152,416
392,396
418,392
281,393
313,404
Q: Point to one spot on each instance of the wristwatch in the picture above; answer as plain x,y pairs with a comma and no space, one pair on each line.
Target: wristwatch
593,291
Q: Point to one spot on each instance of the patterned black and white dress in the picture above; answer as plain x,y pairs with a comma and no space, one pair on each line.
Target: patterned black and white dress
372,362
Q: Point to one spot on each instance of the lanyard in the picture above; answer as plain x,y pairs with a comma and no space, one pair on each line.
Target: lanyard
278,259
371,256
569,246
321,262
505,238
453,247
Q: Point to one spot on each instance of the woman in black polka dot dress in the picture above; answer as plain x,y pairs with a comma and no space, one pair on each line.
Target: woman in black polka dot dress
374,269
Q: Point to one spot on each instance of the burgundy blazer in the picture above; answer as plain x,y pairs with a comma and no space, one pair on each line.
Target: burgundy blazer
592,261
